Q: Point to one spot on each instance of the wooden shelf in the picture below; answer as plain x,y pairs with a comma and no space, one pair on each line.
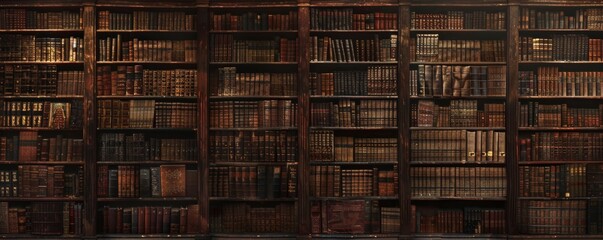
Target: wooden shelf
253,235
355,236
145,162
458,198
533,129
352,163
391,31
459,128
251,199
354,63
252,163
489,31
559,62
73,31
355,198
561,97
451,163
256,129
30,236
253,63
149,97
355,128
38,129
133,31
150,236
26,97
41,199
43,63
560,30
337,97
253,31
147,129
41,163
557,198
500,98
146,62
557,162
228,98
147,199
458,63
459,236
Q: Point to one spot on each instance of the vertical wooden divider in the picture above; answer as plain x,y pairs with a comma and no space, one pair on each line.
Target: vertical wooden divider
511,120
203,107
404,116
303,116
89,121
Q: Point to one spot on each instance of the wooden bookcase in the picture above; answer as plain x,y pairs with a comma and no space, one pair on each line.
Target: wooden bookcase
305,100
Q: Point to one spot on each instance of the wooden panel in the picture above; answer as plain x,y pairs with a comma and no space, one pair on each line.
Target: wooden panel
511,116
304,120
202,132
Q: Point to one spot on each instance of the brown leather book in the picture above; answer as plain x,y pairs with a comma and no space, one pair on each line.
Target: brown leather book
192,221
173,180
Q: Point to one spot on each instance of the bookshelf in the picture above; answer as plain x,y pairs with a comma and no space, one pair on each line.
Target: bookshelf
283,115
41,142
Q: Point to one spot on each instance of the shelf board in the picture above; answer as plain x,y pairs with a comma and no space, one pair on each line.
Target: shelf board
192,236
254,63
38,129
44,63
458,5
560,30
557,198
460,235
355,128
355,235
459,128
146,62
145,31
356,31
253,31
41,30
256,129
41,163
458,63
355,198
414,198
43,97
252,163
149,97
243,199
556,162
352,163
557,236
458,30
447,163
148,199
41,199
354,63
335,97
560,129
144,162
30,236
560,62
457,97
148,129
225,98
561,97
254,235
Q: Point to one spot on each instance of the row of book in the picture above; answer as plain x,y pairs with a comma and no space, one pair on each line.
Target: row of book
457,146
457,113
458,20
326,147
561,146
535,114
549,81
348,19
146,20
44,114
554,217
428,47
130,181
256,146
253,182
118,147
354,113
42,181
119,49
335,181
458,81
21,18
227,48
561,47
429,182
588,18
253,21
18,47
375,81
354,216
136,81
150,220
29,146
371,48
253,114
470,220
42,218
146,114
229,82
240,217
39,80
561,181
